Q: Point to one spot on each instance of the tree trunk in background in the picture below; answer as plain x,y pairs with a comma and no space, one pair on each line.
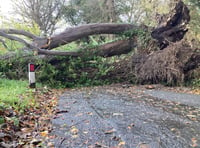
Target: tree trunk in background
110,11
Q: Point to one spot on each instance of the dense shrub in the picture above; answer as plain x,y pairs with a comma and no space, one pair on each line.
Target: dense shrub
59,71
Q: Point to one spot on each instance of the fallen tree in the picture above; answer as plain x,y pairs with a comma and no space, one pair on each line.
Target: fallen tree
171,29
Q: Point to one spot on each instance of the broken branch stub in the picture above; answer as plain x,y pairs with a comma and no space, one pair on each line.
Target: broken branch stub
173,26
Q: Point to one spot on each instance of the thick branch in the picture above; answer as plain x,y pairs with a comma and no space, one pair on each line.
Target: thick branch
11,37
106,50
19,32
59,53
114,48
75,33
3,42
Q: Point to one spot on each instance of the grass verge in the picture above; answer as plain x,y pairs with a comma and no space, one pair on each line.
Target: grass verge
15,94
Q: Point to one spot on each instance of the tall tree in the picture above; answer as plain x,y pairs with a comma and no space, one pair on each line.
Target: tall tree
90,11
137,12
45,13
101,11
194,26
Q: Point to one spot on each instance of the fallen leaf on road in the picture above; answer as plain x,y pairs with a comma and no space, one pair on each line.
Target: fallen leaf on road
143,145
150,87
85,132
173,129
79,114
44,133
74,130
36,141
99,145
50,145
194,142
26,130
122,143
90,113
74,136
116,138
109,131
87,121
117,114
131,126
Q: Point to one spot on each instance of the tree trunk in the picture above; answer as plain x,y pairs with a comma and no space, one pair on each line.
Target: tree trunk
73,34
106,50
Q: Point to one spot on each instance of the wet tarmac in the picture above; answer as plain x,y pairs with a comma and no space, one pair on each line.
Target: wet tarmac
109,117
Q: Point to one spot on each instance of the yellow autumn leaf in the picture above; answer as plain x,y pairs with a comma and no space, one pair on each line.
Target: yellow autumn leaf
26,130
75,136
44,133
74,130
196,91
85,132
121,143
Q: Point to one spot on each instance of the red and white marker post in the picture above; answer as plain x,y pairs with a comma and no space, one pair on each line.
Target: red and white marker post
31,75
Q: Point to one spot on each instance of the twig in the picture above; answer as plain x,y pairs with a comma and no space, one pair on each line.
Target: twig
61,142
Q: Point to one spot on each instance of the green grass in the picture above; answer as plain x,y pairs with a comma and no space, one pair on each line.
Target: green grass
15,94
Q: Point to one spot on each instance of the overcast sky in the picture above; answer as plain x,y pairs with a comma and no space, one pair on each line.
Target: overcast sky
5,7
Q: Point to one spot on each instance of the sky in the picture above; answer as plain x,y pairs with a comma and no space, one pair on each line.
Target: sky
5,7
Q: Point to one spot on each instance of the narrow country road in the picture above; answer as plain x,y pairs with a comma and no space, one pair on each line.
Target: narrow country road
113,116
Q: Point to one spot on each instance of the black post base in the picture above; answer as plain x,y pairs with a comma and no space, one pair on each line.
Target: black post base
32,85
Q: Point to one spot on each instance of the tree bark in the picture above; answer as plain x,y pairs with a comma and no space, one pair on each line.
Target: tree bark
106,50
19,32
75,33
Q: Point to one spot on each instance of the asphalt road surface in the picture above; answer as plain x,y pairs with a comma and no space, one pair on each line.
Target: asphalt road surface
117,117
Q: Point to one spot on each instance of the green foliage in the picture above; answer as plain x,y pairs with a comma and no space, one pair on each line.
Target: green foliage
196,83
2,120
15,94
15,68
132,11
33,28
14,120
143,37
73,72
13,45
152,8
194,27
59,71
68,47
89,11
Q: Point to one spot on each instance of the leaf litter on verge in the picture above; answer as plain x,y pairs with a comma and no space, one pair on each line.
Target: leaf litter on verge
31,127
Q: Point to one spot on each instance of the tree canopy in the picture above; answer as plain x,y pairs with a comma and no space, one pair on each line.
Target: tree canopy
45,13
